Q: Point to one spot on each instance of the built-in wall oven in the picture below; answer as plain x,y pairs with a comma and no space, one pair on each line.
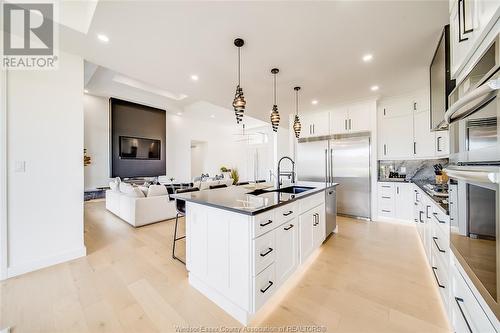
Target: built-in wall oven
474,173
475,226
474,111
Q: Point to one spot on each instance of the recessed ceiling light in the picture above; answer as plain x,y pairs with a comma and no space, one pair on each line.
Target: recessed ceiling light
314,102
85,91
212,116
194,77
179,113
103,38
374,88
367,57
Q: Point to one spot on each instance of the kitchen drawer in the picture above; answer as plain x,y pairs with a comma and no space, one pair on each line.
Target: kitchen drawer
264,251
264,286
263,223
386,189
386,201
287,212
441,277
440,245
386,212
440,220
312,201
466,314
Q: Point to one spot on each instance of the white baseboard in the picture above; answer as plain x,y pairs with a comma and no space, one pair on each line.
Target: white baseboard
46,262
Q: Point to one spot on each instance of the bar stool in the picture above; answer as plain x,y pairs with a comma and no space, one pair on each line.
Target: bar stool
217,186
180,206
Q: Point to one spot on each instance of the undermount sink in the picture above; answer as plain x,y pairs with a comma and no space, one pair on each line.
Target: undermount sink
289,189
294,189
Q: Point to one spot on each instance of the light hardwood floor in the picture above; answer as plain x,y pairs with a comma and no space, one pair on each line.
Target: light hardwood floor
371,277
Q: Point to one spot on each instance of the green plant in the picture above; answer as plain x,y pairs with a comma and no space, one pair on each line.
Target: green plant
224,169
235,175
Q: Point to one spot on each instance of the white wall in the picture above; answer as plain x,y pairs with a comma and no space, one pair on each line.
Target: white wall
221,145
3,175
45,131
96,140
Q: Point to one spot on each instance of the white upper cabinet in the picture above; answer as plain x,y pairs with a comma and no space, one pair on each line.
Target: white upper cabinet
314,124
359,117
424,146
395,137
394,107
339,120
404,130
351,118
470,20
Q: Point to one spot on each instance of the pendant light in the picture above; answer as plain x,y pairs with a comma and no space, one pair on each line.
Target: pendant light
239,100
296,123
275,115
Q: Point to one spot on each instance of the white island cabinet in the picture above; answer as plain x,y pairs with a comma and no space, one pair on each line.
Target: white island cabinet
240,259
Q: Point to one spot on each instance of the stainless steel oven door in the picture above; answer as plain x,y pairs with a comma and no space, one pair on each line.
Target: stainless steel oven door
475,228
474,135
474,110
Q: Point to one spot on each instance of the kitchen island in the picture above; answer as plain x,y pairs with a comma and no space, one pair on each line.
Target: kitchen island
243,244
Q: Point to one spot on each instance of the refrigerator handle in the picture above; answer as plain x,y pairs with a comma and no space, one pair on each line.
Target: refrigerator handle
331,165
326,167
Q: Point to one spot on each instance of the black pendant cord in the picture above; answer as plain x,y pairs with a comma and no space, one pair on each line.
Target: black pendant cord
297,102
239,70
274,91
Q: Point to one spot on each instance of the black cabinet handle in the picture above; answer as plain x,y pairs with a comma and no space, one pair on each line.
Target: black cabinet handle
460,300
269,250
385,197
350,123
288,213
420,216
414,148
414,106
384,111
385,149
397,189
461,16
268,286
439,144
289,227
434,239
316,219
437,219
427,212
434,269
345,124
386,211
386,186
267,223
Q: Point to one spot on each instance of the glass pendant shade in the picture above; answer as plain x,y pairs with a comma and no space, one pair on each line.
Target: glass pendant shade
275,115
239,99
275,118
239,104
297,126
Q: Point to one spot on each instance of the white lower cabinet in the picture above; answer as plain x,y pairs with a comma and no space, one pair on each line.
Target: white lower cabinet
239,261
287,249
394,201
464,310
466,314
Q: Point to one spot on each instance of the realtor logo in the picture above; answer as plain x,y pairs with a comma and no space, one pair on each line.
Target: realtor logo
28,36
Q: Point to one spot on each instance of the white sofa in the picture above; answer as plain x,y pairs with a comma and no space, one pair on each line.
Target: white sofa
139,211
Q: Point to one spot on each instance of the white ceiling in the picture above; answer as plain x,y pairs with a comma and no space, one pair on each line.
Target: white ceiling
317,45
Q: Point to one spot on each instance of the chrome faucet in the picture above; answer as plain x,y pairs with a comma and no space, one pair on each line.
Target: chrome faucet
289,174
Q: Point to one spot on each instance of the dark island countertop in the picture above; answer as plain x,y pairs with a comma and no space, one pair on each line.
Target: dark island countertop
239,200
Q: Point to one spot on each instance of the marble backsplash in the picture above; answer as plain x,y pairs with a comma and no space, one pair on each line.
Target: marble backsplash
414,169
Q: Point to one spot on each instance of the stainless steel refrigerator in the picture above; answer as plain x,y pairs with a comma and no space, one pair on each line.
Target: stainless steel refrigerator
343,159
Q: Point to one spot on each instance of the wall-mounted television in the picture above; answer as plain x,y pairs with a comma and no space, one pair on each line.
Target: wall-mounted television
132,148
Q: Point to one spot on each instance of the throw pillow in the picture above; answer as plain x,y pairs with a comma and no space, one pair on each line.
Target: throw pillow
136,193
126,188
156,190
